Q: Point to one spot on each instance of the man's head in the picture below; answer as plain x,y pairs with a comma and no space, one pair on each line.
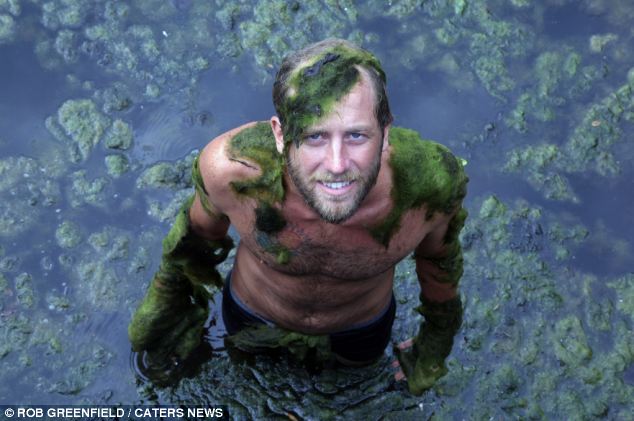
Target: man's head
311,80
333,118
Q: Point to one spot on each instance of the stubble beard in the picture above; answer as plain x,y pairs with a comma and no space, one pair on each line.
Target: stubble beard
330,209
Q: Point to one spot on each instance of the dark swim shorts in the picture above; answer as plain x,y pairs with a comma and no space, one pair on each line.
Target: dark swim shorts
359,344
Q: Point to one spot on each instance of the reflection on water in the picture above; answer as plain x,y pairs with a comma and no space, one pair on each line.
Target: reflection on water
549,289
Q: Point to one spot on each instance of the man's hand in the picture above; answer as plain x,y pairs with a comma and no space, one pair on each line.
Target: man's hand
170,320
400,375
420,369
421,360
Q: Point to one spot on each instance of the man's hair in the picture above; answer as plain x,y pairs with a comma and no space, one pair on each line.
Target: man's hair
298,94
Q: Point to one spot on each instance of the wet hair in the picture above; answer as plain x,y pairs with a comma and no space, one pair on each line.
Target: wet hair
310,81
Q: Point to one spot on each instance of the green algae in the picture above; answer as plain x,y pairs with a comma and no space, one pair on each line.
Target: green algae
116,97
79,123
169,321
7,29
440,184
624,287
166,212
24,290
168,175
590,147
84,191
424,364
559,78
268,29
63,13
13,7
66,45
109,244
68,235
29,192
186,254
598,42
535,161
199,184
119,135
117,165
528,272
256,145
570,342
302,346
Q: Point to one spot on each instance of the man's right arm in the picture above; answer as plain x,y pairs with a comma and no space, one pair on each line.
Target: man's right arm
170,319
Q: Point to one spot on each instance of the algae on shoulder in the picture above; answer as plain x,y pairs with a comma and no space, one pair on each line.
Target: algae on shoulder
256,146
424,172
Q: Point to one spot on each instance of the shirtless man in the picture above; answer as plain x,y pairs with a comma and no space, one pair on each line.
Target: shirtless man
327,198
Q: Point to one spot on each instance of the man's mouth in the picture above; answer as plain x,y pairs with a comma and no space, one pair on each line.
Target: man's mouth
337,185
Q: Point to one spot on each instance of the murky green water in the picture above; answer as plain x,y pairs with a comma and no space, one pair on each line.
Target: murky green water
537,96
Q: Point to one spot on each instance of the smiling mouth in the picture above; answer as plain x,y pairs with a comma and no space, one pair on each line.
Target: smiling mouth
336,185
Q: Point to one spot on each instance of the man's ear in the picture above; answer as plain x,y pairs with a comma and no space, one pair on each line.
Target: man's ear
276,127
386,137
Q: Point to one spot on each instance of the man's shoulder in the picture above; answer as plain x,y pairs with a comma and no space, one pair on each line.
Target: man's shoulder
230,152
239,157
425,172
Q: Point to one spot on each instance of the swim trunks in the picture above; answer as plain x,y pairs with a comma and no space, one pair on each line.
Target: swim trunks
357,345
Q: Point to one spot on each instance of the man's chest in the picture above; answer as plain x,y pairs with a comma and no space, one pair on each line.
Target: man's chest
318,248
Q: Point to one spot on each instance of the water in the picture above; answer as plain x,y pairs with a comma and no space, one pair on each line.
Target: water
179,73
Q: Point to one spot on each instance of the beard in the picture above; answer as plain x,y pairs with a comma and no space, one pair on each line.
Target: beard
332,208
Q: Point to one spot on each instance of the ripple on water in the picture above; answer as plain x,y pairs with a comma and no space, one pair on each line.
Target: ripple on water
164,134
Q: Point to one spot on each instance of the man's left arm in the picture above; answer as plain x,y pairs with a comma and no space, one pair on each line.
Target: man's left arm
439,266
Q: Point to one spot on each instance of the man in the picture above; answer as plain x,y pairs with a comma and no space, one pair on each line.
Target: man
327,198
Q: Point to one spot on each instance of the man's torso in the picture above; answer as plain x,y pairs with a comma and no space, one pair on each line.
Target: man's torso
310,275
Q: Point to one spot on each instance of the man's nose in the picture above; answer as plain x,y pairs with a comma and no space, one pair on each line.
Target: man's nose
337,160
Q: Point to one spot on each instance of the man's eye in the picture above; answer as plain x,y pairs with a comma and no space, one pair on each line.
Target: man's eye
313,137
357,136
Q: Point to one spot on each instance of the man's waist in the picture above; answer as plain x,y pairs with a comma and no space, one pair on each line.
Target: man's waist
306,317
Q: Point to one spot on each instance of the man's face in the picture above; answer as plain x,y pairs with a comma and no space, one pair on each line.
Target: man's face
339,158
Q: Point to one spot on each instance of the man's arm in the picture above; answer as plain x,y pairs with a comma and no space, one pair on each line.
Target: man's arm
439,268
439,259
171,317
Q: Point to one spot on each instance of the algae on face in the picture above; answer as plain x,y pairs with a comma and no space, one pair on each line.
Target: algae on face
316,86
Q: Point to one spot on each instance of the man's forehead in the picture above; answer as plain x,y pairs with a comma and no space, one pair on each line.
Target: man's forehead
349,127
358,105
